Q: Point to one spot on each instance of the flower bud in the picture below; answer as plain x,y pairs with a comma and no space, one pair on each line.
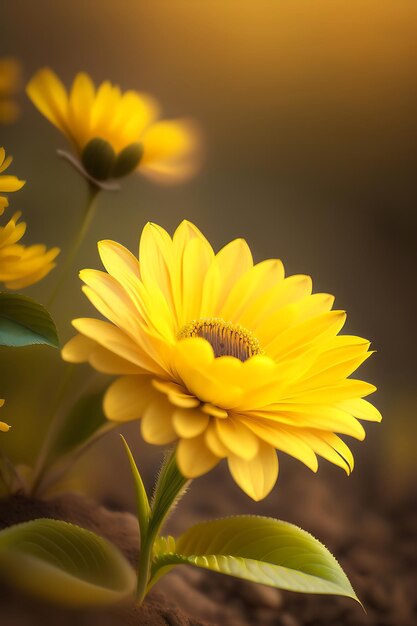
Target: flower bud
128,159
99,159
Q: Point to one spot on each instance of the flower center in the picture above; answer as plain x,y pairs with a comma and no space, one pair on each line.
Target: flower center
225,338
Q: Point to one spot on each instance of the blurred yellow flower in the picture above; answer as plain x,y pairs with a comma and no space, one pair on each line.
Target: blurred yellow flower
115,133
10,81
21,266
3,427
7,183
228,358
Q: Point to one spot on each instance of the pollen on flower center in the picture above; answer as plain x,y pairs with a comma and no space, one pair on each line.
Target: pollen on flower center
225,338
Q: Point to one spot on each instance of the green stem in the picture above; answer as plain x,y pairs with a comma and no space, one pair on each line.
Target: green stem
93,191
55,422
54,427
170,487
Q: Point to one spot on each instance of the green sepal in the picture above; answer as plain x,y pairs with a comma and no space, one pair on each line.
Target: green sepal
65,564
99,158
259,549
24,322
128,159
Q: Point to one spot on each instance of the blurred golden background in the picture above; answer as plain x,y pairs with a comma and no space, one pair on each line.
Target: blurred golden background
309,116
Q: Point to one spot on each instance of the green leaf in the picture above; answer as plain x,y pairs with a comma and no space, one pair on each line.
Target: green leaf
170,486
83,421
24,322
142,501
63,563
259,549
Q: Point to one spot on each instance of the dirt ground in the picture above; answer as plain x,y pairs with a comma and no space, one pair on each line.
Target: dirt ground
375,544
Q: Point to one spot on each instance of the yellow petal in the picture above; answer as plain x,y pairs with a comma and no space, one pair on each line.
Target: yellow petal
176,394
285,292
116,341
189,422
234,260
10,183
128,398
170,150
156,424
330,447
258,476
327,418
214,443
284,440
118,261
194,361
78,349
49,95
362,409
250,286
296,339
81,101
194,457
237,438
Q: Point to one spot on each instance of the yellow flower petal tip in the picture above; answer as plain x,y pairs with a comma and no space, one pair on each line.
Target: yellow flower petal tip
115,133
8,183
3,426
20,265
230,359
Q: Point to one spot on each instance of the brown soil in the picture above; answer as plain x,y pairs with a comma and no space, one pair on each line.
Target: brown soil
121,529
375,545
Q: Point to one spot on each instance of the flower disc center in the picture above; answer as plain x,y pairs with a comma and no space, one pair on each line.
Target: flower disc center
225,338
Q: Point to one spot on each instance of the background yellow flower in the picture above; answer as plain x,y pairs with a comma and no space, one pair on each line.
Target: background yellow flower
7,183
227,357
115,133
10,82
21,266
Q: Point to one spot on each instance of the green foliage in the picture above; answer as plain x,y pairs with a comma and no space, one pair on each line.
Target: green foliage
169,488
83,421
143,508
65,564
24,322
260,549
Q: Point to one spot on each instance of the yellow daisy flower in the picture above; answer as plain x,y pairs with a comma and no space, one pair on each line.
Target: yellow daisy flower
3,427
226,357
21,266
10,81
115,133
7,183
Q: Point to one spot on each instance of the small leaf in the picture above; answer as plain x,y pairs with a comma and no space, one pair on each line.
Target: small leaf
263,550
81,423
170,486
63,563
24,322
142,501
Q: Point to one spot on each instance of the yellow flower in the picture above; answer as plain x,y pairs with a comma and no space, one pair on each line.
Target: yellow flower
21,266
115,133
228,358
7,183
10,81
3,427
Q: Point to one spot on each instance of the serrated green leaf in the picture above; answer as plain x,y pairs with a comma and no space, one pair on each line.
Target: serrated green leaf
64,563
263,550
24,322
170,486
142,502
